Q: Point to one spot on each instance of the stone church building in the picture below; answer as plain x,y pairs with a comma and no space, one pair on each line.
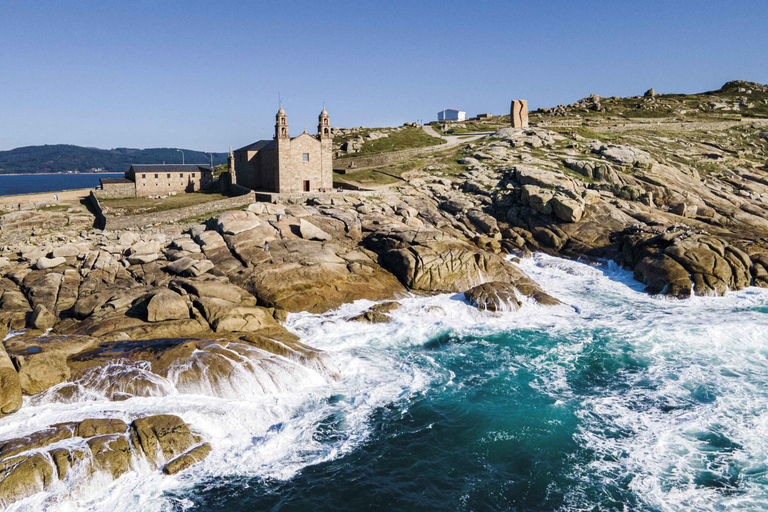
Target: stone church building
288,165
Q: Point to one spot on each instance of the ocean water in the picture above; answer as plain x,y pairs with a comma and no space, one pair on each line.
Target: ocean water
614,401
34,183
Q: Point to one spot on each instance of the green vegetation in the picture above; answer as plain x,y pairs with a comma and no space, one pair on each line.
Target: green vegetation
136,205
407,137
472,126
65,158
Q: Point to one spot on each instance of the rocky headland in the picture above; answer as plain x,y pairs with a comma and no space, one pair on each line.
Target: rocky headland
680,200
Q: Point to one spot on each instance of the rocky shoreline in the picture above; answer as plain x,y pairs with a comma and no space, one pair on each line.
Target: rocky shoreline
210,298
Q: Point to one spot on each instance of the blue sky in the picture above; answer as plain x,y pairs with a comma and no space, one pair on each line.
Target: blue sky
206,75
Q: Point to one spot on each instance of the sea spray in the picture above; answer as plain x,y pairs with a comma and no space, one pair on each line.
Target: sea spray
614,399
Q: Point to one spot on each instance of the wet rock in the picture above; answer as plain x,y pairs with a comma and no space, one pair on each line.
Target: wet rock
495,296
187,459
377,314
10,386
162,437
110,453
23,477
283,343
64,459
97,427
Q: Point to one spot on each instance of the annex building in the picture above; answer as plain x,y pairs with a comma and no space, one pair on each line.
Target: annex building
288,165
145,180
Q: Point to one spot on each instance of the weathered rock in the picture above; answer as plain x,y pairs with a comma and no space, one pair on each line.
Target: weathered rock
567,209
41,318
309,231
662,274
166,305
540,199
46,263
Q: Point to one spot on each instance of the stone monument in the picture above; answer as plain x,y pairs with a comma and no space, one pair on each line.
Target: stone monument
518,113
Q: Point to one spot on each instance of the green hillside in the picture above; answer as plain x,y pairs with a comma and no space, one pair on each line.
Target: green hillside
68,158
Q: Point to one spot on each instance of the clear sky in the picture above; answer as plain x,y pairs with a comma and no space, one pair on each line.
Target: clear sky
206,75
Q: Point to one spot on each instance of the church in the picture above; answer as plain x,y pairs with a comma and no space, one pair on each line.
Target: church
288,165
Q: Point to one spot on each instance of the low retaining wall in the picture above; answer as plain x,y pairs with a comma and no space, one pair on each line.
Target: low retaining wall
274,197
169,216
359,163
101,219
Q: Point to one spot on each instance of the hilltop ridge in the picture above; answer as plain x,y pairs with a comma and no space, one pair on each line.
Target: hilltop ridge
54,158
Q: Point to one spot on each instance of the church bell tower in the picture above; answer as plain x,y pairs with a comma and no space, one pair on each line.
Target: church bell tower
281,125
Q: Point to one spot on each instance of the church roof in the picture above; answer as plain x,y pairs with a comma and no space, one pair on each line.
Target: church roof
259,145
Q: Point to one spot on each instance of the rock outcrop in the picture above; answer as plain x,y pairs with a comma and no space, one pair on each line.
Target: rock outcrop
28,465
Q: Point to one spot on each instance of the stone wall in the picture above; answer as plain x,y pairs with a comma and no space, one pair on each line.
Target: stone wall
116,190
101,220
169,216
359,163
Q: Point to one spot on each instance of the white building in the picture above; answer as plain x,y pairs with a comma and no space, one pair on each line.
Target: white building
451,115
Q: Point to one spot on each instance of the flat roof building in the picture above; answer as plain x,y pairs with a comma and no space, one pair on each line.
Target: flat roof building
451,114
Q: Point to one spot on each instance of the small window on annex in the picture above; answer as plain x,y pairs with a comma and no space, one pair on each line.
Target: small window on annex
305,157
169,175
155,176
193,175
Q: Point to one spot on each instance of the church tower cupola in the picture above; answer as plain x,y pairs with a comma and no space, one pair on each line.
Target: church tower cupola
324,125
281,124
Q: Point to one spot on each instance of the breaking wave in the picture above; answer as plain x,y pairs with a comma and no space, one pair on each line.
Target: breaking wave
613,401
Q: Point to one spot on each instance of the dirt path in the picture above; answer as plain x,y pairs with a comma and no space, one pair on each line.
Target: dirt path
454,140
46,197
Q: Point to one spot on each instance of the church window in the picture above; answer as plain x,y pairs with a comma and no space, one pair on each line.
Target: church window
169,175
193,175
305,157
155,176
143,175
181,175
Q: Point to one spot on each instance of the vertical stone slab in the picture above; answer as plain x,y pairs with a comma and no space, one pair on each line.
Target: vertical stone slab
518,113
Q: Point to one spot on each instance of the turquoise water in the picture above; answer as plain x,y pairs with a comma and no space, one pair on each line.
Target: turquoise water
613,401
34,183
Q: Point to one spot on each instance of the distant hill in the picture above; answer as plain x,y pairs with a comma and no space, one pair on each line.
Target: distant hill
66,158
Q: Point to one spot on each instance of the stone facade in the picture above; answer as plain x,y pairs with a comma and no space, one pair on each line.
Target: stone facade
518,113
161,180
115,188
288,165
157,180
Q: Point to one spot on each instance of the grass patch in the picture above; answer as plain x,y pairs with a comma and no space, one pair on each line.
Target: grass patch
407,137
482,125
136,205
366,178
